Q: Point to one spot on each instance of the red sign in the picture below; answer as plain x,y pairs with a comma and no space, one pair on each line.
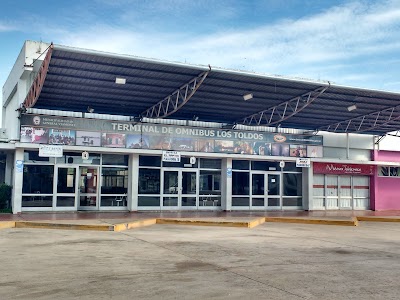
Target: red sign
343,169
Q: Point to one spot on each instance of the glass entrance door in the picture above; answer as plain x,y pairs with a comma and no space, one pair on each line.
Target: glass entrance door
88,188
180,189
66,188
266,191
171,189
189,189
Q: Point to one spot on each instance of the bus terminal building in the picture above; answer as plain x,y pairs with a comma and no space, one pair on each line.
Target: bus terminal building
88,130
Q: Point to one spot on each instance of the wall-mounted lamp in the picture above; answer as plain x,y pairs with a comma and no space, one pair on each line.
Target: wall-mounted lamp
90,109
229,126
352,107
248,96
120,80
195,118
137,119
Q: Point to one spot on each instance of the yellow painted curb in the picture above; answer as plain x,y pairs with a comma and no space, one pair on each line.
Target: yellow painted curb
135,224
378,219
256,222
352,222
205,222
7,224
64,226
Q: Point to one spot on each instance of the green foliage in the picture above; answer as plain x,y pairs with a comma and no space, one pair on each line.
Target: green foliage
5,197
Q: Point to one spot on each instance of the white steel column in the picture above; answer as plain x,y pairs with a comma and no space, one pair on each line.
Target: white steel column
17,183
134,182
308,193
226,184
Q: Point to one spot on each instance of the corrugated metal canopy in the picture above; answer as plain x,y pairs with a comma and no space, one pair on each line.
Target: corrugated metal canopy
78,78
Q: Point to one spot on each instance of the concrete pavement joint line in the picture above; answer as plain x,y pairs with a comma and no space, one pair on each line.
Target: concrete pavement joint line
215,266
352,222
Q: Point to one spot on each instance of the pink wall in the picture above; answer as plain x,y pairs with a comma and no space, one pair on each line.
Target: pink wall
385,191
388,156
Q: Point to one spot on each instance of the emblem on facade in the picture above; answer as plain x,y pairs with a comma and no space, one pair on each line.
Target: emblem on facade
36,120
279,138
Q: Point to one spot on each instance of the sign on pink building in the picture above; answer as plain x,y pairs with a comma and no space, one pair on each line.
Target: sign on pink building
343,169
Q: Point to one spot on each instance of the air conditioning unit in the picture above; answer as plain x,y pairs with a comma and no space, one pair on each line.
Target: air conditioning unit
3,134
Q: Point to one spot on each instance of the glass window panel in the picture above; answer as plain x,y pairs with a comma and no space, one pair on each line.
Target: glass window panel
292,202
38,179
149,201
240,183
150,161
149,181
113,200
240,164
88,180
265,165
258,184
33,156
210,163
273,184
258,202
189,180
240,201
210,182
88,200
66,180
114,180
188,201
65,201
383,171
292,184
170,182
170,201
76,158
272,202
113,159
394,171
209,200
291,167
37,201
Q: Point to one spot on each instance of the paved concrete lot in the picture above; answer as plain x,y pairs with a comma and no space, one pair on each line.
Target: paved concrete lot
271,261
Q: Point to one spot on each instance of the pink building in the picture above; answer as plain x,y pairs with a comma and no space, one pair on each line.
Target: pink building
385,184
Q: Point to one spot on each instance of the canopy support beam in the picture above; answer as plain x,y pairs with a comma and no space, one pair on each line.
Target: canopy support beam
283,111
366,122
36,87
177,99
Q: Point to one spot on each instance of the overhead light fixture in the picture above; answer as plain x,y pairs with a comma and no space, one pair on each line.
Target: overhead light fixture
90,109
120,80
248,96
352,107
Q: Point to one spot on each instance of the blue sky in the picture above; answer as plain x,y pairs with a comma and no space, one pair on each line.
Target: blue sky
355,43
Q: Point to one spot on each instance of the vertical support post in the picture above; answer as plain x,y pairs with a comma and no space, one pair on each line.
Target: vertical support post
134,182
17,183
307,185
347,146
226,184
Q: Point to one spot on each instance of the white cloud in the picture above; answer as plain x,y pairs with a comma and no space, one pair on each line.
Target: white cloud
6,27
319,44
